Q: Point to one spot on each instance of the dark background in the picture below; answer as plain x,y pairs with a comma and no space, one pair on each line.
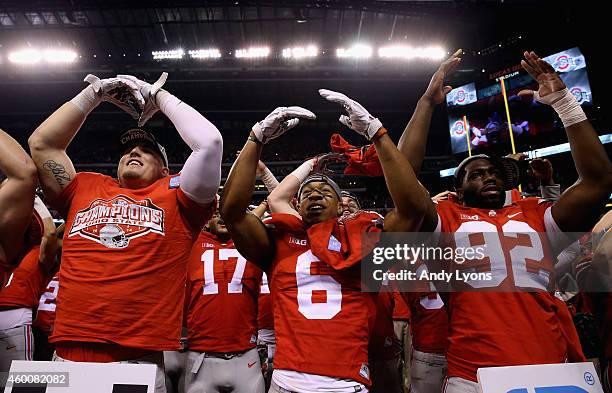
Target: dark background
235,93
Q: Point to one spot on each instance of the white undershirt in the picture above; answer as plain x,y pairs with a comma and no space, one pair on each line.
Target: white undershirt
266,336
312,383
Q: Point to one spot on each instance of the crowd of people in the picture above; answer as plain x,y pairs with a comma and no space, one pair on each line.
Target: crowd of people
224,292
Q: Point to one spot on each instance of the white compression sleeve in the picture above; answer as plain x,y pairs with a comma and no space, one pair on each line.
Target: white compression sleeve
269,180
201,174
304,170
87,100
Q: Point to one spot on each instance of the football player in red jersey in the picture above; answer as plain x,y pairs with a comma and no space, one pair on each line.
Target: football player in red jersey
512,328
429,326
132,234
23,289
222,291
322,319
16,200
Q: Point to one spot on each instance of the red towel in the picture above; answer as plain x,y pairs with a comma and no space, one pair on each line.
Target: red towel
361,160
338,241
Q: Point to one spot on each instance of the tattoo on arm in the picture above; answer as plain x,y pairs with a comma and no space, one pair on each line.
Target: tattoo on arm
59,172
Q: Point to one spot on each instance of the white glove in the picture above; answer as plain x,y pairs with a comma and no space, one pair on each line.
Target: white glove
358,119
280,120
148,92
121,93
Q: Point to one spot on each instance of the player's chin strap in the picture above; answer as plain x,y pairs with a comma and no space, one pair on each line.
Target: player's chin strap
565,104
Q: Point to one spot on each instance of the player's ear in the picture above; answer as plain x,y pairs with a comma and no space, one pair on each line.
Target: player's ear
165,171
459,192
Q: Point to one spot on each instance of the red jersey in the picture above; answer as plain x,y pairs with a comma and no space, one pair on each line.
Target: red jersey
222,290
25,283
429,321
491,327
383,344
401,312
45,314
124,262
265,316
574,348
322,318
31,238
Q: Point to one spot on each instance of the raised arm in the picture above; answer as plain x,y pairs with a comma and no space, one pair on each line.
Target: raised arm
267,177
413,141
16,195
578,208
280,198
413,207
50,140
249,234
49,242
201,174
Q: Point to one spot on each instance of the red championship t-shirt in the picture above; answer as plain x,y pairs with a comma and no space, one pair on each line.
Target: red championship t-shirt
124,262
222,290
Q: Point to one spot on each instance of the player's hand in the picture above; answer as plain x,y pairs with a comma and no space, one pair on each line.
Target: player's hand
358,119
323,160
436,91
541,169
550,85
122,93
517,156
279,121
148,92
445,195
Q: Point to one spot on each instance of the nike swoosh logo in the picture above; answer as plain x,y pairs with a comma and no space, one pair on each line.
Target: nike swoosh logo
251,364
9,348
513,215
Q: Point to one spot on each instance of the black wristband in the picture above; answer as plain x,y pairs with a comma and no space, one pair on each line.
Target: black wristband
253,138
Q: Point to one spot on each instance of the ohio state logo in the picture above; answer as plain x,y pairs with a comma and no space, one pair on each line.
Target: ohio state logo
579,94
458,128
460,97
563,62
113,222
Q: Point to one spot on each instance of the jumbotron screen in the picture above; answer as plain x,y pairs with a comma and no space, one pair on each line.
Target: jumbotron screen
481,107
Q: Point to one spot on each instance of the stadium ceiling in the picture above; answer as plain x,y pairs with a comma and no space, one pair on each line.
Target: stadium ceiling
108,33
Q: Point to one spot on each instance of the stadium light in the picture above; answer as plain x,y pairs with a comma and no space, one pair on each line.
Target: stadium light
253,52
358,51
205,53
35,56
168,54
26,56
409,53
60,56
299,52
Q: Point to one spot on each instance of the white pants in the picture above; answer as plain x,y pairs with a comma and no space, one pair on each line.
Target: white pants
156,358
239,374
460,385
15,344
427,372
